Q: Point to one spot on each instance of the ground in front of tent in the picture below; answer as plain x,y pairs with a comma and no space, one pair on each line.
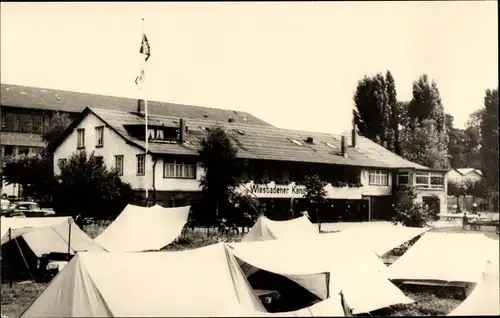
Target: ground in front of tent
20,296
14,300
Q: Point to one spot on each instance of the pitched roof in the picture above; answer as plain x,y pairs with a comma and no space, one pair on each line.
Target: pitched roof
59,100
262,142
464,171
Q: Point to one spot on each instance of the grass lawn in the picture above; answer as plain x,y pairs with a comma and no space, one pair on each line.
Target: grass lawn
14,300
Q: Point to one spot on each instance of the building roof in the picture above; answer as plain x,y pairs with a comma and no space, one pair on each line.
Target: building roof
257,142
464,171
59,100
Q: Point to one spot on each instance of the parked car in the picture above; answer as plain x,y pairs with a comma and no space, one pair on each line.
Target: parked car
27,209
4,205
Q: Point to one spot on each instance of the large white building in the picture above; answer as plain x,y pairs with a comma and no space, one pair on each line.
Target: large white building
362,176
26,112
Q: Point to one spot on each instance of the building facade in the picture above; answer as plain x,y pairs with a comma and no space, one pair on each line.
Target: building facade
362,176
26,112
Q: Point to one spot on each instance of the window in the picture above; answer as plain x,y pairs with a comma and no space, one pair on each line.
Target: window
151,134
403,178
10,122
62,162
37,124
179,169
8,150
379,178
36,150
26,123
141,165
99,134
429,180
159,134
23,150
81,138
119,164
437,181
422,179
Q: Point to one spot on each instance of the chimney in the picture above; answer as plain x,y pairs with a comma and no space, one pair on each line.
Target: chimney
182,130
354,136
342,146
140,106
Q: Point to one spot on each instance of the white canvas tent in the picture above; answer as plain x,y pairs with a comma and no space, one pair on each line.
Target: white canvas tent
16,223
266,229
380,238
438,258
330,307
485,297
360,274
139,228
202,282
54,238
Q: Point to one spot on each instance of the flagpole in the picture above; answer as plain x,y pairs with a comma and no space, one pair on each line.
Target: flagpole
146,125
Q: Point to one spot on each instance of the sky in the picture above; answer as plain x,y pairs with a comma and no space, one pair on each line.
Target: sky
293,64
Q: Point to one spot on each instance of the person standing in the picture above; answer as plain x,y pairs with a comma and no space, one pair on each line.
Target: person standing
464,221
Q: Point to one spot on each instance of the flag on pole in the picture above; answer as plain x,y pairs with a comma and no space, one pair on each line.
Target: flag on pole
146,51
145,48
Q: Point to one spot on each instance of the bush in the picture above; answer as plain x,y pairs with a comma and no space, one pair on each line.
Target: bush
411,213
87,189
191,239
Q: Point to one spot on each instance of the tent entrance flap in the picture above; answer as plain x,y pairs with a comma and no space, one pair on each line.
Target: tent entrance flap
290,293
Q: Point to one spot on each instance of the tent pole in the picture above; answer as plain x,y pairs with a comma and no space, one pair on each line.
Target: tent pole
69,238
10,257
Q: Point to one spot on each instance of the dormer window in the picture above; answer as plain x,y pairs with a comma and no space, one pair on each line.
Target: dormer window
163,134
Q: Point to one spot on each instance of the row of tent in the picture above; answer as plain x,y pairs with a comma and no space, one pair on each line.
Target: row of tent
342,270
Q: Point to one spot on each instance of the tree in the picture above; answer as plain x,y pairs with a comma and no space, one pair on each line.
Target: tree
218,159
87,189
475,119
392,100
58,124
30,170
489,139
464,144
424,146
476,189
408,212
426,103
372,113
456,147
246,209
472,146
425,108
315,195
404,130
456,190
